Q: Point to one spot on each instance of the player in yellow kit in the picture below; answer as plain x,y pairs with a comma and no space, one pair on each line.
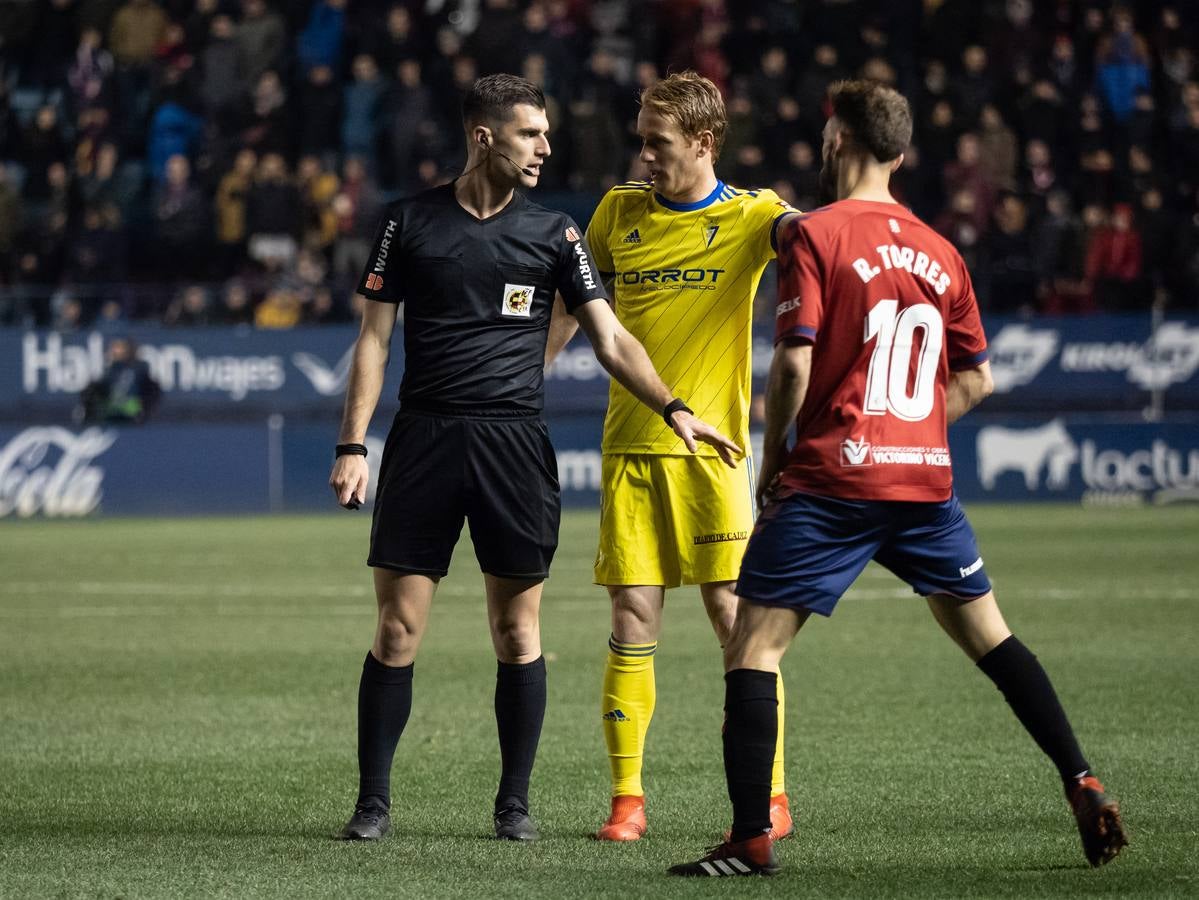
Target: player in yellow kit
683,254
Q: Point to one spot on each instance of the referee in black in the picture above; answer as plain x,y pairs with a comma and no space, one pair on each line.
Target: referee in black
479,269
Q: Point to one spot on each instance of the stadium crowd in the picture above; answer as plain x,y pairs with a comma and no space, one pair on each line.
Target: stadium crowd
225,161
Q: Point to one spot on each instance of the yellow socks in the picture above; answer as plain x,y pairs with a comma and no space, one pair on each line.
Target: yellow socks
777,783
627,707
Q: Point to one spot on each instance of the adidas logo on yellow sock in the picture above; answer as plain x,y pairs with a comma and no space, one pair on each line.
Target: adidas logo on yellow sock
616,715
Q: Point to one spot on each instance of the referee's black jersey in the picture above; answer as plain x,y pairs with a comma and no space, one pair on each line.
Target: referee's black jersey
477,297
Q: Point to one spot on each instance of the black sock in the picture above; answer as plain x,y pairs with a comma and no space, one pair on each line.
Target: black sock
519,711
751,722
384,701
1026,687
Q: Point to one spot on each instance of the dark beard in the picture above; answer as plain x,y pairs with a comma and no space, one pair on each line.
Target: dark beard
828,183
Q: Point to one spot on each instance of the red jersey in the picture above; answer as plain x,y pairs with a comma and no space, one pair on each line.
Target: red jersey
888,306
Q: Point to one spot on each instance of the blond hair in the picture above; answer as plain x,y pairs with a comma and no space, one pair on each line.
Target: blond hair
692,102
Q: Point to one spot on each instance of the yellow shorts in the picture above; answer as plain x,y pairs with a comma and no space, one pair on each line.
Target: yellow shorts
673,520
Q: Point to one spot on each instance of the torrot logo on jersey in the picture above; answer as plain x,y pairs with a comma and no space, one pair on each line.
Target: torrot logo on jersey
672,279
384,249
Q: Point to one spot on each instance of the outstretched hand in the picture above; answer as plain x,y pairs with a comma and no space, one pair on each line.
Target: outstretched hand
692,429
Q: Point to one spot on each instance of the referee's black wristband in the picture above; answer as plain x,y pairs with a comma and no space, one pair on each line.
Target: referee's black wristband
350,450
674,406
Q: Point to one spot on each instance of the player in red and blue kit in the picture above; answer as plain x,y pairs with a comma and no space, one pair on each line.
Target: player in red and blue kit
878,348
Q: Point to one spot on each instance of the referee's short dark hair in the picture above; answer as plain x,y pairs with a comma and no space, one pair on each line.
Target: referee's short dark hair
878,118
491,98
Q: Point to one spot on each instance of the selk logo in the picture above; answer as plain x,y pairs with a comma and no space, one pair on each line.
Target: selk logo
855,453
325,381
633,237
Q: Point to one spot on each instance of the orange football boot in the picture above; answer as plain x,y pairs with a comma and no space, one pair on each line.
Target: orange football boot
627,821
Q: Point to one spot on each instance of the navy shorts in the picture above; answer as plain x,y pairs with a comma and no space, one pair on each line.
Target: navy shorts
806,550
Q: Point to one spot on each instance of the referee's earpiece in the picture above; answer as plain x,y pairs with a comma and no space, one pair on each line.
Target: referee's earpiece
485,143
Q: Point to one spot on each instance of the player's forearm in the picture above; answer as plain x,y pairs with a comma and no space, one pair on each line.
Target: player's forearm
966,390
362,392
786,387
626,360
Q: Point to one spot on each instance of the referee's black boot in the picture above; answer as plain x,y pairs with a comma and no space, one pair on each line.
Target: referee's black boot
512,823
367,824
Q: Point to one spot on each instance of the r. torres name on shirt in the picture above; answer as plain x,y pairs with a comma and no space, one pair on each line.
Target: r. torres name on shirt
914,262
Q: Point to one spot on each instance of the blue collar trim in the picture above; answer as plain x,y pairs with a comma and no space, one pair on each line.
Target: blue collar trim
698,204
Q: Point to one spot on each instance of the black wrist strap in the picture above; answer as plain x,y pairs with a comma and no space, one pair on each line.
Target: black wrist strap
350,450
674,406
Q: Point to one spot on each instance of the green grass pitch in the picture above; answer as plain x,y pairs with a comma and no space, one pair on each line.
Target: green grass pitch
177,718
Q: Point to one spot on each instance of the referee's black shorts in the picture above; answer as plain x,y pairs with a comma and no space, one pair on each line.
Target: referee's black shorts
499,474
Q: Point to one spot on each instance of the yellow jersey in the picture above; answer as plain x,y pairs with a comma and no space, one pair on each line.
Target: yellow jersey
685,275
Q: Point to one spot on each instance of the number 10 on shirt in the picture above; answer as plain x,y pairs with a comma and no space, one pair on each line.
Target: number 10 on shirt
887,378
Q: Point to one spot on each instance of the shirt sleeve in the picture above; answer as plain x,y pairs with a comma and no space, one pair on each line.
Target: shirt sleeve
577,279
598,230
766,213
381,278
801,297
966,342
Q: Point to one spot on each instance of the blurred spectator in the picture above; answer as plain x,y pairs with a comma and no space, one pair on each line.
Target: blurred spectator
261,40
230,208
174,131
189,308
42,145
408,113
125,393
318,189
1057,257
1114,260
11,220
1122,66
968,174
180,222
319,44
235,307
97,183
273,214
136,30
281,309
1009,275
91,71
97,252
266,125
221,80
357,208
363,97
320,120
997,146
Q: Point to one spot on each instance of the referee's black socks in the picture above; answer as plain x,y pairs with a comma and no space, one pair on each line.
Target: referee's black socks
751,724
519,712
1019,676
384,701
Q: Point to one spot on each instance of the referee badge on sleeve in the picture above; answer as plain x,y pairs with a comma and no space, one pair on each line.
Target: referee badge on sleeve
518,300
